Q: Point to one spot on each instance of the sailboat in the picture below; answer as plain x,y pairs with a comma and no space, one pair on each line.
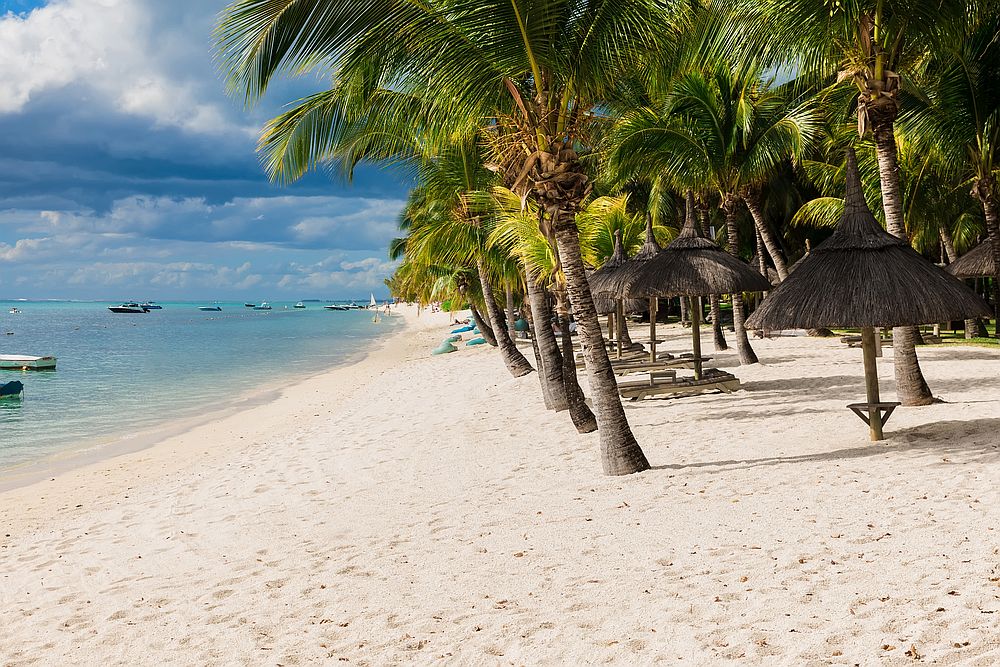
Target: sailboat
374,305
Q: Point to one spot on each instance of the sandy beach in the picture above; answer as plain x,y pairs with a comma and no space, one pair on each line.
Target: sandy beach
417,509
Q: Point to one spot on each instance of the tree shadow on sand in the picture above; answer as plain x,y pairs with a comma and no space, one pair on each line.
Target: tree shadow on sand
972,441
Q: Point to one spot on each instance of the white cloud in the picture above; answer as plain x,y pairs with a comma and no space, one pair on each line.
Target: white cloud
117,50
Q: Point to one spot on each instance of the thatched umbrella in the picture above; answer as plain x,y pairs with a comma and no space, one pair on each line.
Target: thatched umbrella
862,276
692,266
613,284
977,263
604,302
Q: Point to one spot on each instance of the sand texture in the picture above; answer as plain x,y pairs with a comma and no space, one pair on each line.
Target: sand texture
412,509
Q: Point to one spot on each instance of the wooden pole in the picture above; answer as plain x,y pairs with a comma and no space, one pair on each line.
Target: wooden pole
611,327
653,305
696,334
619,316
878,342
871,383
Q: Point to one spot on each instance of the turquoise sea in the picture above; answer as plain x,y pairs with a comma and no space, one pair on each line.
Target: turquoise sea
121,373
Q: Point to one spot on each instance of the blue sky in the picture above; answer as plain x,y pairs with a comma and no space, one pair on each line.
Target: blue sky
126,172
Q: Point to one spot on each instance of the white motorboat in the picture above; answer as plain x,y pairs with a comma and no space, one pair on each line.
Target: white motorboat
21,362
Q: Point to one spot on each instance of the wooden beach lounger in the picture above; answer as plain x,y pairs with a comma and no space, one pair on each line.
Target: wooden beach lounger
667,384
644,365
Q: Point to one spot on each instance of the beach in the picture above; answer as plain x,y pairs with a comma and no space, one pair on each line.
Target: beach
418,509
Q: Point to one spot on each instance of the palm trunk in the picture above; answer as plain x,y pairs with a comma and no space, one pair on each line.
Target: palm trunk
684,311
620,453
911,388
546,394
950,254
770,242
718,334
747,355
484,327
512,357
550,371
985,191
583,418
511,311
626,338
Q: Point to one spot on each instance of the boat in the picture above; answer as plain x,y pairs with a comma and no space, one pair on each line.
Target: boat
300,305
334,306
249,305
150,305
14,311
11,389
210,309
264,305
131,307
20,362
354,306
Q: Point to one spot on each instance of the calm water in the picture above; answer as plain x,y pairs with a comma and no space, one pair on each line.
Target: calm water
118,373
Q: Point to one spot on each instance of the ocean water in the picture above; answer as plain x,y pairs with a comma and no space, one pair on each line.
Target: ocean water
121,373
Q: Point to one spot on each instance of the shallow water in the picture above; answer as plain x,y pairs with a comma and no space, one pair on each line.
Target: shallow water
119,373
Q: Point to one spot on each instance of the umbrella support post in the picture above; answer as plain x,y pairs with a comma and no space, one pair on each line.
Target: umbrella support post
878,342
695,313
869,349
611,327
652,328
619,316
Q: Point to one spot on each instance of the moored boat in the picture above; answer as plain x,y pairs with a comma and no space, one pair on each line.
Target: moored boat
14,311
264,305
249,305
21,362
300,305
334,306
210,309
130,307
11,389
150,305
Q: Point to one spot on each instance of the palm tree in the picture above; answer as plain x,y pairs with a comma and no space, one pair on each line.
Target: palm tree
719,129
869,43
539,72
958,109
515,232
446,224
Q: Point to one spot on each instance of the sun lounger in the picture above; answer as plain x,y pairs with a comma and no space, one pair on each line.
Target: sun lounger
666,383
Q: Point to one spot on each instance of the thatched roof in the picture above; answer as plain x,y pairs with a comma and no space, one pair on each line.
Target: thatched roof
977,263
864,276
603,301
772,273
626,271
692,266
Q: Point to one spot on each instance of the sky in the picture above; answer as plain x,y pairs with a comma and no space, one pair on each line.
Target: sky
127,173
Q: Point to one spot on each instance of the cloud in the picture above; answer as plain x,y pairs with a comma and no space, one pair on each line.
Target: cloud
123,163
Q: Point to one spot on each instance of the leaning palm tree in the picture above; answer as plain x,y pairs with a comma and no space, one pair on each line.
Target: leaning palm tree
722,129
540,73
514,232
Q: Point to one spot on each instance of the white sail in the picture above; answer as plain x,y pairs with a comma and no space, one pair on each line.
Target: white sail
373,303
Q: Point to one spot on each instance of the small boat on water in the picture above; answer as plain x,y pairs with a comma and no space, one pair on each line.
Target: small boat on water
264,305
14,311
150,305
11,389
249,305
20,362
334,306
210,309
300,305
131,307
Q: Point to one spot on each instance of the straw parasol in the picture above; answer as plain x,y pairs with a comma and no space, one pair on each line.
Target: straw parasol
604,303
862,276
650,249
692,266
977,263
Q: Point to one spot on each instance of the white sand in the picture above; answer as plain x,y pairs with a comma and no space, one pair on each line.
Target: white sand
418,509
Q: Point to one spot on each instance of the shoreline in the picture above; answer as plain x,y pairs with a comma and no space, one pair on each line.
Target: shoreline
429,509
106,446
158,447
